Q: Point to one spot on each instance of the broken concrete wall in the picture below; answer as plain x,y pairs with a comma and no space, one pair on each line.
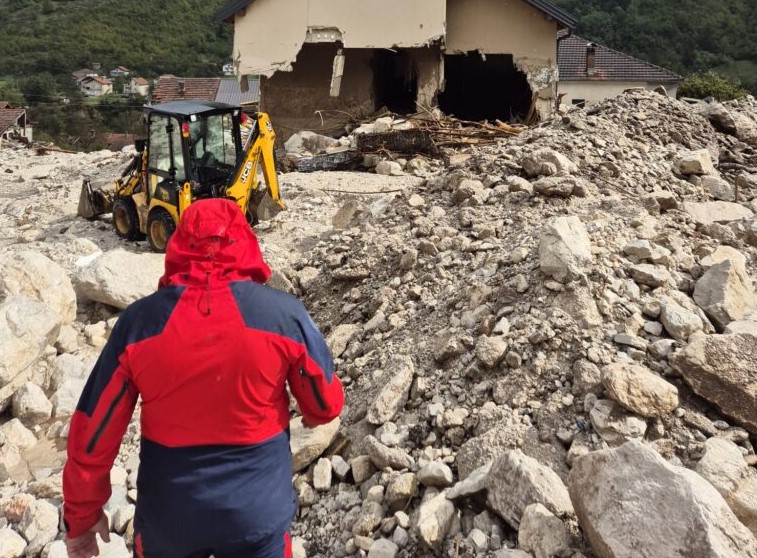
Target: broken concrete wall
508,27
269,33
294,99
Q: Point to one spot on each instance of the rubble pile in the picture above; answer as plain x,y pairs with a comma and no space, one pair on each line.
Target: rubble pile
548,347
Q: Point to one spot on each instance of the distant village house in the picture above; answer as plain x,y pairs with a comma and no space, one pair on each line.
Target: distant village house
590,73
96,86
137,86
79,75
120,71
325,62
13,123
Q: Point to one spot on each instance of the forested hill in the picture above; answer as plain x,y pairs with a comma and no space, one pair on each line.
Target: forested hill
149,37
682,35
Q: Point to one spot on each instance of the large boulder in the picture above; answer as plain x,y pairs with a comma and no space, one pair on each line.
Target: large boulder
630,502
27,328
118,278
721,369
707,213
36,277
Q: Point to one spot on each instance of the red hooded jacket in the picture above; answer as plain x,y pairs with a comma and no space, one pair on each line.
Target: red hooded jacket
210,354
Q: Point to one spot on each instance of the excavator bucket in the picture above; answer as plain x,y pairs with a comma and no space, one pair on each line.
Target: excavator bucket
266,207
93,201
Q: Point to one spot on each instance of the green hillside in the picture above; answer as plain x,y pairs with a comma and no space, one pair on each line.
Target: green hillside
149,37
685,36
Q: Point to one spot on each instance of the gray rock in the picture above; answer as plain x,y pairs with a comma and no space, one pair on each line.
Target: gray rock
12,545
369,519
741,326
340,337
720,368
383,548
66,398
118,278
555,186
587,378
17,434
723,465
707,213
393,395
401,490
31,405
547,162
39,525
639,389
491,350
623,492
718,188
436,474
322,475
543,534
362,468
726,293
678,321
434,520
383,456
516,481
36,277
473,483
565,249
308,444
614,424
695,162
650,275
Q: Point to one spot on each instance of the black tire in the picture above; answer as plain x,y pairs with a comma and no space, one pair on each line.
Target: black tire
160,227
126,219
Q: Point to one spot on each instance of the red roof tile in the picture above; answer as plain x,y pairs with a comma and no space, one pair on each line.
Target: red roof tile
170,88
609,64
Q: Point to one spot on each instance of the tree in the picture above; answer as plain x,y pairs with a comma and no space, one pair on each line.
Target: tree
711,84
39,88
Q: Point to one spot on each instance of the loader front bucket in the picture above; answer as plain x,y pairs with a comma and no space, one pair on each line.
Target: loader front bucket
93,201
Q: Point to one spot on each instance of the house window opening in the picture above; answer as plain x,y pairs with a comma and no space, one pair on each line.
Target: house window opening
395,81
485,88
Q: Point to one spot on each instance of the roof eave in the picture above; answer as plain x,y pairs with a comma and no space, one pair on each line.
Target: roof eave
225,14
563,17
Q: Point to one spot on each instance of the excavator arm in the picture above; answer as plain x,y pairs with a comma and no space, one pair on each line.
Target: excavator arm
257,155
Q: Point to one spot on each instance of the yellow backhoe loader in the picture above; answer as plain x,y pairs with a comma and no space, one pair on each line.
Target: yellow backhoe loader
193,150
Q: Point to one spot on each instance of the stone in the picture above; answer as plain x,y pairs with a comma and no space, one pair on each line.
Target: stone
543,534
64,400
587,378
31,405
351,214
369,519
322,475
694,162
516,481
547,162
491,350
12,545
308,444
340,337
401,489
340,467
718,188
650,275
362,469
620,493
614,424
17,434
724,466
36,277
741,326
307,144
393,395
383,548
678,321
383,456
434,520
122,517
39,525
473,483
27,328
707,213
565,249
555,186
512,553
389,168
436,474
726,293
69,367
640,390
118,278
479,539
720,369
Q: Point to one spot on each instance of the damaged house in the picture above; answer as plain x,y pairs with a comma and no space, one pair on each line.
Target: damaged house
325,62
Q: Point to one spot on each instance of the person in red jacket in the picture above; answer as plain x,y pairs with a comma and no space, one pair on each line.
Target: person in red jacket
210,354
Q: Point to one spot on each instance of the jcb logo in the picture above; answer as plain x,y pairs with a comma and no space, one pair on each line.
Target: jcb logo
246,173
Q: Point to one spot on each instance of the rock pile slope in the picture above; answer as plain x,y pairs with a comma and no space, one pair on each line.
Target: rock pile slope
548,348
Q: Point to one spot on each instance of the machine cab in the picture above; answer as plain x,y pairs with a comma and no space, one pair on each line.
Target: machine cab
195,142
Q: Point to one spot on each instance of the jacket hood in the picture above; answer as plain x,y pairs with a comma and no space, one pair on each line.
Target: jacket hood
213,242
